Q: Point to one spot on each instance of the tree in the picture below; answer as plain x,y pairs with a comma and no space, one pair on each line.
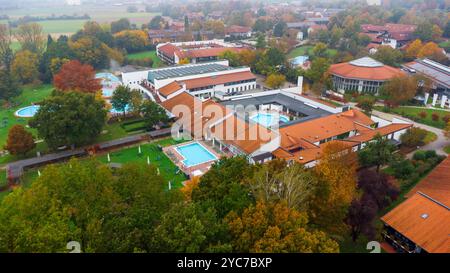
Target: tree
231,56
318,69
57,53
153,114
436,33
9,85
136,101
69,118
430,50
132,40
6,53
260,42
377,152
90,50
85,202
379,187
399,90
366,103
447,130
25,66
275,182
446,32
275,81
120,25
414,137
412,51
360,218
186,23
279,29
31,37
336,173
388,55
121,98
424,31
320,50
223,187
19,141
74,76
275,57
187,228
156,22
274,228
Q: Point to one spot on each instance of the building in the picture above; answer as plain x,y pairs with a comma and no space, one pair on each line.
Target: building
279,124
194,52
201,80
238,32
421,224
438,74
393,35
364,75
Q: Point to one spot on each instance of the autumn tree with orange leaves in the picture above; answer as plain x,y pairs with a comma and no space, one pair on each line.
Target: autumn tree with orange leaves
336,172
74,76
274,228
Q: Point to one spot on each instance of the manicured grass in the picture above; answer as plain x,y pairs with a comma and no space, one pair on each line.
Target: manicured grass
308,50
146,54
29,95
447,149
3,181
430,137
166,167
413,113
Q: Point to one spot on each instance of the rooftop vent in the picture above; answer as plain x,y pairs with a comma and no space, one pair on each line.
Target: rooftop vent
424,216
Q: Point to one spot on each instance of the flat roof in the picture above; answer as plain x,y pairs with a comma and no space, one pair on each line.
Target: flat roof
186,70
293,104
433,70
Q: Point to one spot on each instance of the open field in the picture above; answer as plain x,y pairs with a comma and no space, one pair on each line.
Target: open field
308,51
99,13
413,113
146,54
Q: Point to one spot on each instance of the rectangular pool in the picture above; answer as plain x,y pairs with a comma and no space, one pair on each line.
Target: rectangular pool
195,154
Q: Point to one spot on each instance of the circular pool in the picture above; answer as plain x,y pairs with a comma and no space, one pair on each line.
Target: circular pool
27,112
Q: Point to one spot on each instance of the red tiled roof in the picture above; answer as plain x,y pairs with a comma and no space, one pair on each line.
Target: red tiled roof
430,232
168,49
169,88
381,73
237,29
366,135
220,79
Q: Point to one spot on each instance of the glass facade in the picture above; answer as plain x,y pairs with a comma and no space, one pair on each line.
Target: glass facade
362,86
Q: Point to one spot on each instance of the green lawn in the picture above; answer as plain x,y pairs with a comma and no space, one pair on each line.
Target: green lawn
146,54
28,96
447,149
157,157
2,178
413,113
308,51
61,26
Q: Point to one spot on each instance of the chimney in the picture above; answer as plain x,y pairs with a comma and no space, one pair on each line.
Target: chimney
300,83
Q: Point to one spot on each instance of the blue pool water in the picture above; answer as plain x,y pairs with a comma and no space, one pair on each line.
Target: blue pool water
107,92
115,111
27,112
195,154
107,77
268,119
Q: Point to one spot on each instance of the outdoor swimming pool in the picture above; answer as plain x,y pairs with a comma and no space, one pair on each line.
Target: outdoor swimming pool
115,111
107,78
195,154
27,112
268,119
107,92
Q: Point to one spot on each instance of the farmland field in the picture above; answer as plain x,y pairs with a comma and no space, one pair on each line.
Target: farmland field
99,13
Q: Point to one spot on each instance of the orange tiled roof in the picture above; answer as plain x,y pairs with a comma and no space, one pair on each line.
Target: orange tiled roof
436,184
381,73
220,79
168,49
431,232
237,29
322,128
169,88
367,134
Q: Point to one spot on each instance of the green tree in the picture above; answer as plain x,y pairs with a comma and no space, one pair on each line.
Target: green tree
120,25
414,137
136,101
121,98
19,141
378,152
69,118
279,29
388,55
317,71
31,37
9,85
261,42
153,114
222,187
446,33
320,50
424,31
186,228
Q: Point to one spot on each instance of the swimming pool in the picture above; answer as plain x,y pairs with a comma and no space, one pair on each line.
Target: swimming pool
268,119
107,92
27,112
115,111
195,154
107,77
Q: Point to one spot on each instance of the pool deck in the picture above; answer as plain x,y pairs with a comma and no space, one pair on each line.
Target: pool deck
195,170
